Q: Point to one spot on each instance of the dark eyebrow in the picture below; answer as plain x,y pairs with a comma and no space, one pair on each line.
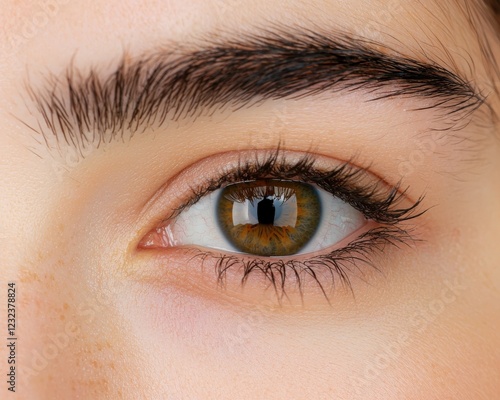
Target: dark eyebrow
81,108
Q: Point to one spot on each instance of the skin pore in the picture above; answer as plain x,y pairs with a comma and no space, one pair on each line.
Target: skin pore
101,317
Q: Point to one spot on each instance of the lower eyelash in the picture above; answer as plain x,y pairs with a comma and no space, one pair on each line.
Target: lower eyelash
339,263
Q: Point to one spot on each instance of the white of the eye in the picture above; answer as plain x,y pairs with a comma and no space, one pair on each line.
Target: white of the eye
198,225
338,221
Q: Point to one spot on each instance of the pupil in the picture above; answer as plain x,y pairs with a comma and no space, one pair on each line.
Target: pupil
266,211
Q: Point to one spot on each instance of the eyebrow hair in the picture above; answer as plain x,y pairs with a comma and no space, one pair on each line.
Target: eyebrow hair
494,5
80,108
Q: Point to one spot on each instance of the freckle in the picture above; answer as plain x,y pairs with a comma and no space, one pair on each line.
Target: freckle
62,317
27,276
65,306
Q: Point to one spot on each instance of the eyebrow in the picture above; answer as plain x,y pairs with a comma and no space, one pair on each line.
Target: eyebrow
79,108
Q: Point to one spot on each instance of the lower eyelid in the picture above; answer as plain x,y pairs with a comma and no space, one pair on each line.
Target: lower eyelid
323,277
169,245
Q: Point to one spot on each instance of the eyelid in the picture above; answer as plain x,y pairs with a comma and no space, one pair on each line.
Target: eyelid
245,280
348,179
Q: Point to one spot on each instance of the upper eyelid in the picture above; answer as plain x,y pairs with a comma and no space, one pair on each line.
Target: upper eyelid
276,163
144,92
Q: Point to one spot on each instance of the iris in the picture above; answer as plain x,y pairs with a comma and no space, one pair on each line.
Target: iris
269,217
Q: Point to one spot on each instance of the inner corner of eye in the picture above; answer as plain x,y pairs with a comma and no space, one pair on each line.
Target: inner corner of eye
265,218
160,237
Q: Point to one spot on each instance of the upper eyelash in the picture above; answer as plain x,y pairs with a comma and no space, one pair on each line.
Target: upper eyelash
375,203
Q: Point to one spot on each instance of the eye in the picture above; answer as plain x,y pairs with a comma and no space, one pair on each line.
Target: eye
265,218
285,217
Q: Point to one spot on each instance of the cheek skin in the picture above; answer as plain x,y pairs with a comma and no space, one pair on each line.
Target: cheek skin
82,348
79,351
343,358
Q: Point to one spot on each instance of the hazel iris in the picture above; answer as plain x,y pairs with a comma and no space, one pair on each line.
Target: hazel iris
269,217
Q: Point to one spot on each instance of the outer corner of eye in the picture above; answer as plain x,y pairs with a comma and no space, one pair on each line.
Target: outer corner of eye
264,218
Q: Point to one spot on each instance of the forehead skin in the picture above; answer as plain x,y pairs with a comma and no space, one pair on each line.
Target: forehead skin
440,31
108,357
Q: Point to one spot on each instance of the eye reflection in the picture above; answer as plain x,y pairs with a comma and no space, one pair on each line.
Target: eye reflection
269,217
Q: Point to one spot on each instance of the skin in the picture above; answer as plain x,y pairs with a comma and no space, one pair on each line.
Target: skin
99,319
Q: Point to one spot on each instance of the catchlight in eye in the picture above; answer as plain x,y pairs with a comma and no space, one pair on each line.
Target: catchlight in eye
269,217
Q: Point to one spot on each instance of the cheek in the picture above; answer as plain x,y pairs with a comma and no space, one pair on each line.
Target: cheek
72,342
449,327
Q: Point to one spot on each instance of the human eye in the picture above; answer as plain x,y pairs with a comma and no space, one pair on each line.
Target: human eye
269,218
288,217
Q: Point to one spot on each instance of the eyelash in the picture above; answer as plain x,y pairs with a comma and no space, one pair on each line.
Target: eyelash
375,202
